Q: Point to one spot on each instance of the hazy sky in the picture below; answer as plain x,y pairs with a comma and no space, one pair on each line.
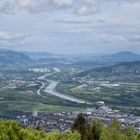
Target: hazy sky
70,26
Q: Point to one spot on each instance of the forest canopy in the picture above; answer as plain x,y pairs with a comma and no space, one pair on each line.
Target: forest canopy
80,130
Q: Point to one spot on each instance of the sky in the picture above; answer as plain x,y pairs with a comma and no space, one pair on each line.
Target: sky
70,26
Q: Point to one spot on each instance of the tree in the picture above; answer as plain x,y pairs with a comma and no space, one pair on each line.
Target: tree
138,136
79,125
112,131
96,129
115,124
129,132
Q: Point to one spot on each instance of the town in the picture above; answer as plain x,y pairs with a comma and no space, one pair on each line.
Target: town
63,121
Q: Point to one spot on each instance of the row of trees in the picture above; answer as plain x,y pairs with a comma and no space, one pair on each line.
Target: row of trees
80,130
11,130
98,131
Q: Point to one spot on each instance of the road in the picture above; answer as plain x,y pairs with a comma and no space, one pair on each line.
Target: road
42,86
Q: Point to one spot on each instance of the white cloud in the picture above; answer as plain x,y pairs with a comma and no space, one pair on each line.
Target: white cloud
116,38
27,3
130,8
87,7
82,7
6,37
36,6
110,38
120,14
89,1
85,10
63,2
134,38
33,6
78,30
7,7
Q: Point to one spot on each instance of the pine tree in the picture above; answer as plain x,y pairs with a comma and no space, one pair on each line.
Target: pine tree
96,129
130,133
79,125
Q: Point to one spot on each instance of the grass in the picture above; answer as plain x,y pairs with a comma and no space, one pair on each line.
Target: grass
30,106
126,94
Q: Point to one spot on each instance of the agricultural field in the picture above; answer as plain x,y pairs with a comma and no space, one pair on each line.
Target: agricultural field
126,94
21,89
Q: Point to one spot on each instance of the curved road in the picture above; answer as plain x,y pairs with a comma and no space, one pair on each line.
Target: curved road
42,86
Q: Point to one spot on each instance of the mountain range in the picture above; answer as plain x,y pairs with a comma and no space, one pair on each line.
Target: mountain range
9,56
122,56
13,57
123,68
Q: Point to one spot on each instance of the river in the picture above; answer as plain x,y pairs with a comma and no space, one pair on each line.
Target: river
51,89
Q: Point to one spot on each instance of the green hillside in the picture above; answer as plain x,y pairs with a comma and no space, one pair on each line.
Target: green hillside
80,130
115,70
13,57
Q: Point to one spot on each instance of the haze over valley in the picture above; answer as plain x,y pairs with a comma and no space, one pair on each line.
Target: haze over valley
69,70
